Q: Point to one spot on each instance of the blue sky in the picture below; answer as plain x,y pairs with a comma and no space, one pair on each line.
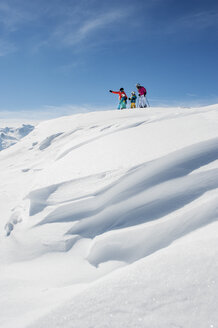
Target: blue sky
61,55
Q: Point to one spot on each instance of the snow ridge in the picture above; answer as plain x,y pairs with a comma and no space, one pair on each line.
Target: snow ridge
149,192
130,197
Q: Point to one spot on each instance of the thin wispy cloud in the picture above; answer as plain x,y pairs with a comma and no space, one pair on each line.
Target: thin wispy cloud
16,17
101,21
13,16
71,34
70,23
199,20
170,17
193,22
58,24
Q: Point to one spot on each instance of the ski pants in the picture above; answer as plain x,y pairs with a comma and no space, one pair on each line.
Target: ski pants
122,104
142,101
133,105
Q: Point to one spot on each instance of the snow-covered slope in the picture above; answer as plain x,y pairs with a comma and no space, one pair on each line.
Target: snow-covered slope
9,136
109,219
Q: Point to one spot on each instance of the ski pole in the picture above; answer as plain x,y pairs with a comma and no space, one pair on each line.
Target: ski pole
147,101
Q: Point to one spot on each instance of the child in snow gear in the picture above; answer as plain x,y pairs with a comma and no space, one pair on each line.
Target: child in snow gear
122,98
142,93
133,99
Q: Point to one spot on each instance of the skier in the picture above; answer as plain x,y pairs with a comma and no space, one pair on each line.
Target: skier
133,99
122,98
142,93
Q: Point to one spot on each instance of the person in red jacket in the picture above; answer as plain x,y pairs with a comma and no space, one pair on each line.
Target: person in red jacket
122,98
142,93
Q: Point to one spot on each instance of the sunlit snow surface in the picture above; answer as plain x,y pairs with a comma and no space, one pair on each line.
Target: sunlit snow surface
109,219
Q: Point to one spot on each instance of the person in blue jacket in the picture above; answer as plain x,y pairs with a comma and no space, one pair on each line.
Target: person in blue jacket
133,99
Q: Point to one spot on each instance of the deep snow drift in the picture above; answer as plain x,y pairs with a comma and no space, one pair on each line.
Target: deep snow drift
109,219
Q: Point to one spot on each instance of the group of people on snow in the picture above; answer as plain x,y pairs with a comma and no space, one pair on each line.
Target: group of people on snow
133,98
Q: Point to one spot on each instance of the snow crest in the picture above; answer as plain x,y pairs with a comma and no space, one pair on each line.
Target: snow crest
86,195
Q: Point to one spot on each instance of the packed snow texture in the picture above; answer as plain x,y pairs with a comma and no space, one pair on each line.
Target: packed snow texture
109,219
9,136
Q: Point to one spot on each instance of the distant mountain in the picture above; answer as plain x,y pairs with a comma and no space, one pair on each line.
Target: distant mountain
11,135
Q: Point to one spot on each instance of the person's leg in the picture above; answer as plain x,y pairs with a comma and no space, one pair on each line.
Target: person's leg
122,104
140,102
144,101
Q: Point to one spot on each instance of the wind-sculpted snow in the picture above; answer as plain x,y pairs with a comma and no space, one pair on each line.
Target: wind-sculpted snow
149,192
47,142
60,193
124,246
86,195
102,135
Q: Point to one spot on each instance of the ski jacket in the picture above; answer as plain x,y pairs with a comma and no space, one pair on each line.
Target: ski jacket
142,91
133,99
120,93
123,99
